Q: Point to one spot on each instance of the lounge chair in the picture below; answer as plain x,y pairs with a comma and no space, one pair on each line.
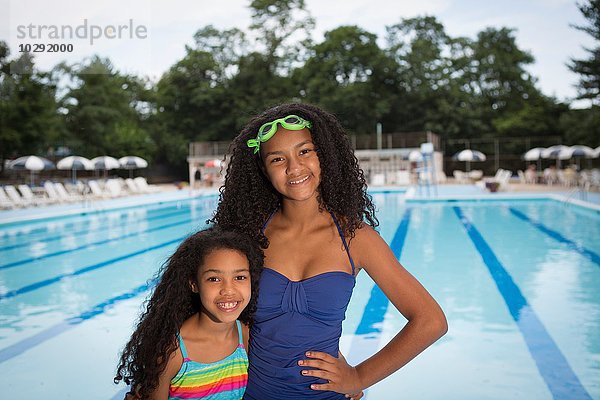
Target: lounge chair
142,184
96,190
28,195
52,193
5,201
16,198
64,195
132,187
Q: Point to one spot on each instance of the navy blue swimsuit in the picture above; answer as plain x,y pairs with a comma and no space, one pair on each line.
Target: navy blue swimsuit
293,317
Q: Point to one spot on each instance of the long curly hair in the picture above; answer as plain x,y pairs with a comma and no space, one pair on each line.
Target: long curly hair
247,198
146,354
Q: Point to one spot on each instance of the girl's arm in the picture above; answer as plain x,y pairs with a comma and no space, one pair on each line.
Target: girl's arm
426,320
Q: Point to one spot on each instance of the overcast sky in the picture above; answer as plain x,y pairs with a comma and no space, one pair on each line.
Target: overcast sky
542,28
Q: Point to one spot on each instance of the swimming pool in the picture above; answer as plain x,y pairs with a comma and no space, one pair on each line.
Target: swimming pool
518,281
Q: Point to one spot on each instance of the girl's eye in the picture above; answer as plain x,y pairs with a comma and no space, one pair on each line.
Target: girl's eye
276,159
213,279
241,277
305,151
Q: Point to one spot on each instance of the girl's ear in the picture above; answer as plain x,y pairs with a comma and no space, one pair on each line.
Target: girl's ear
194,287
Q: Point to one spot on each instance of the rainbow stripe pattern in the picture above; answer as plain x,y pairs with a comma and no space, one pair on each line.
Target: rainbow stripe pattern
222,380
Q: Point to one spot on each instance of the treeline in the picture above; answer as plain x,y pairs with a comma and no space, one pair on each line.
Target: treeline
420,78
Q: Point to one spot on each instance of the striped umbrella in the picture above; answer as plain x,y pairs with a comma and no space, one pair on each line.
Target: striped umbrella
75,163
31,163
469,156
132,162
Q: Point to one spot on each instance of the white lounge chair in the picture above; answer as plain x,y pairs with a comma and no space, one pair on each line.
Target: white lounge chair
16,198
52,193
28,195
113,188
142,184
132,187
64,195
96,190
5,201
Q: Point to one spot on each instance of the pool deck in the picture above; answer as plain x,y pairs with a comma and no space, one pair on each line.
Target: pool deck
166,194
445,192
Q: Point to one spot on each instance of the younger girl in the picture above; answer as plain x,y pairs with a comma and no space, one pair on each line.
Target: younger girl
189,343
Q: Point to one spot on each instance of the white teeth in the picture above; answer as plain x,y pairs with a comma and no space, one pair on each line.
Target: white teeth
298,181
228,306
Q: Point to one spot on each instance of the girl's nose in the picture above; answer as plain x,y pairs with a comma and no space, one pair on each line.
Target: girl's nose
294,164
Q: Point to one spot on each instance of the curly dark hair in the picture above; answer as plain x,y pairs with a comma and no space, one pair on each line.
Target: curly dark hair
146,354
247,198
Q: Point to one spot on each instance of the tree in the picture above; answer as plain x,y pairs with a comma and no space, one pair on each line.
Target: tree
589,69
105,111
283,28
347,75
29,121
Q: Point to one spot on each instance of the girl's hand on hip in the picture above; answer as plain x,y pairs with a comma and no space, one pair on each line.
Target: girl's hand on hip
340,376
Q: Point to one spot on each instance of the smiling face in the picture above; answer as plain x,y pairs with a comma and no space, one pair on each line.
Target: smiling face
291,163
223,282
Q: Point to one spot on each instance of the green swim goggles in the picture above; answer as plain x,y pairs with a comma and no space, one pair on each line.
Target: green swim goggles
266,132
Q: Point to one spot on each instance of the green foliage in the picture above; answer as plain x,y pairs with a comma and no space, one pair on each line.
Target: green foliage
589,69
29,118
582,126
105,109
421,79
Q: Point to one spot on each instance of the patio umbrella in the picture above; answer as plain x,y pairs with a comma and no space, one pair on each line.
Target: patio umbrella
105,163
469,156
31,163
577,152
415,156
535,154
75,163
132,162
558,152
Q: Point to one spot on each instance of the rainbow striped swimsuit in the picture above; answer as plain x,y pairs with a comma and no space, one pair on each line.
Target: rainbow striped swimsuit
222,380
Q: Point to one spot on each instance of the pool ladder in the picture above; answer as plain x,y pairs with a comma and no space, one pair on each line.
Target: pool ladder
582,190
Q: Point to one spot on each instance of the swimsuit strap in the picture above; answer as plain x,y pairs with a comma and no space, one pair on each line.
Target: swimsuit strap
343,241
239,327
268,220
182,348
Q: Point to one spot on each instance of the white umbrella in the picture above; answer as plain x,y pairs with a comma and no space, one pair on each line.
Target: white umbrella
105,162
75,163
415,156
31,163
577,152
469,155
555,152
132,162
534,154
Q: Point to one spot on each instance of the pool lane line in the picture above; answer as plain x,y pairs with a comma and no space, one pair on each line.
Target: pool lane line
104,213
24,345
557,236
551,363
86,230
88,245
58,278
376,307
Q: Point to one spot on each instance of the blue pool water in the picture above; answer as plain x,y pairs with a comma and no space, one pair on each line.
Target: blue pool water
518,281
